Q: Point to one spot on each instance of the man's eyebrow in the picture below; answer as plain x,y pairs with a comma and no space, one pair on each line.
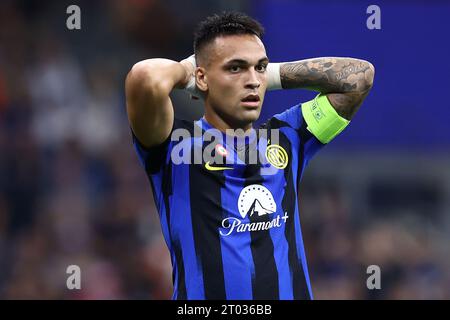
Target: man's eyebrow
245,62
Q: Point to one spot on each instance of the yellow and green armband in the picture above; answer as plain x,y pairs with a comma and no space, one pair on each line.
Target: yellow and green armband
322,119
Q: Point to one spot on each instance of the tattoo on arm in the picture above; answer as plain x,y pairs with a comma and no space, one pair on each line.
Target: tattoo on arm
346,81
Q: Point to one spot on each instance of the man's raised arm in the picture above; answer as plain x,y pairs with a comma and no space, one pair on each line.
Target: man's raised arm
345,81
147,88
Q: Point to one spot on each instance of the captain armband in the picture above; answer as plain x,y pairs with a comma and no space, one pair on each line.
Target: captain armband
322,119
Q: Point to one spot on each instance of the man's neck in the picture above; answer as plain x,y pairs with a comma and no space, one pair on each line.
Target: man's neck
221,124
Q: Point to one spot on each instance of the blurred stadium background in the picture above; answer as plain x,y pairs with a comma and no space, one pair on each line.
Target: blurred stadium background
72,190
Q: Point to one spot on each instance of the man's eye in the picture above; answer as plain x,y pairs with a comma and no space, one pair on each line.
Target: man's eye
261,68
235,68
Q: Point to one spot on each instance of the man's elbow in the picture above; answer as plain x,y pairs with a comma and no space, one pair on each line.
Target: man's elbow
145,82
369,75
141,75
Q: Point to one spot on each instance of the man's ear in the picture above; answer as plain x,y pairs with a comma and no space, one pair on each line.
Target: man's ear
201,79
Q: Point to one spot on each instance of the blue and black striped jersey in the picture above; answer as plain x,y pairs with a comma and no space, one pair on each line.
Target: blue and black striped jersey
233,227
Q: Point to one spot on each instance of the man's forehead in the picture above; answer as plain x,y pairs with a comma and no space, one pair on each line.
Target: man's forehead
237,47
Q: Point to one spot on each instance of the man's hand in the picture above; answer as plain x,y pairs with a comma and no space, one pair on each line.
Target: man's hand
190,86
189,66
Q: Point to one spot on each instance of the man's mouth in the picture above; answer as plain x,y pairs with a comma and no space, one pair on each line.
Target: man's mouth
252,100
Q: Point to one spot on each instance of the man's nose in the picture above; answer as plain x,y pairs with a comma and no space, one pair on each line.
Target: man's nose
253,80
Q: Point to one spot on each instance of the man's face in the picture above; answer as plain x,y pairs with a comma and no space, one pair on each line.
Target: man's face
235,78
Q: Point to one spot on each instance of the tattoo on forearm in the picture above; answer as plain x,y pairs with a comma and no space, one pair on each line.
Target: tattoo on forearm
346,80
346,105
351,69
336,75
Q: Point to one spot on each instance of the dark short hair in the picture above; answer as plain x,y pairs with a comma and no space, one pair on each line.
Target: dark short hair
226,23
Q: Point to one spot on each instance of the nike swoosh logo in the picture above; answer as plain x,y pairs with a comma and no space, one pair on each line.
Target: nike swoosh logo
211,168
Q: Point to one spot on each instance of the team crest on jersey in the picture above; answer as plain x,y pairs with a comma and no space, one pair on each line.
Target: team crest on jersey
277,156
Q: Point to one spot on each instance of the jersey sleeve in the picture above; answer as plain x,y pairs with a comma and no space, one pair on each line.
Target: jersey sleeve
153,158
293,118
316,123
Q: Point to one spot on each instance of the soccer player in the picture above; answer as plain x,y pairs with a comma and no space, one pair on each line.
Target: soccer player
231,222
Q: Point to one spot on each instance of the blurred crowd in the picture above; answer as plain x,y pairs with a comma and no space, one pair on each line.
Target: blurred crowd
344,238
72,191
